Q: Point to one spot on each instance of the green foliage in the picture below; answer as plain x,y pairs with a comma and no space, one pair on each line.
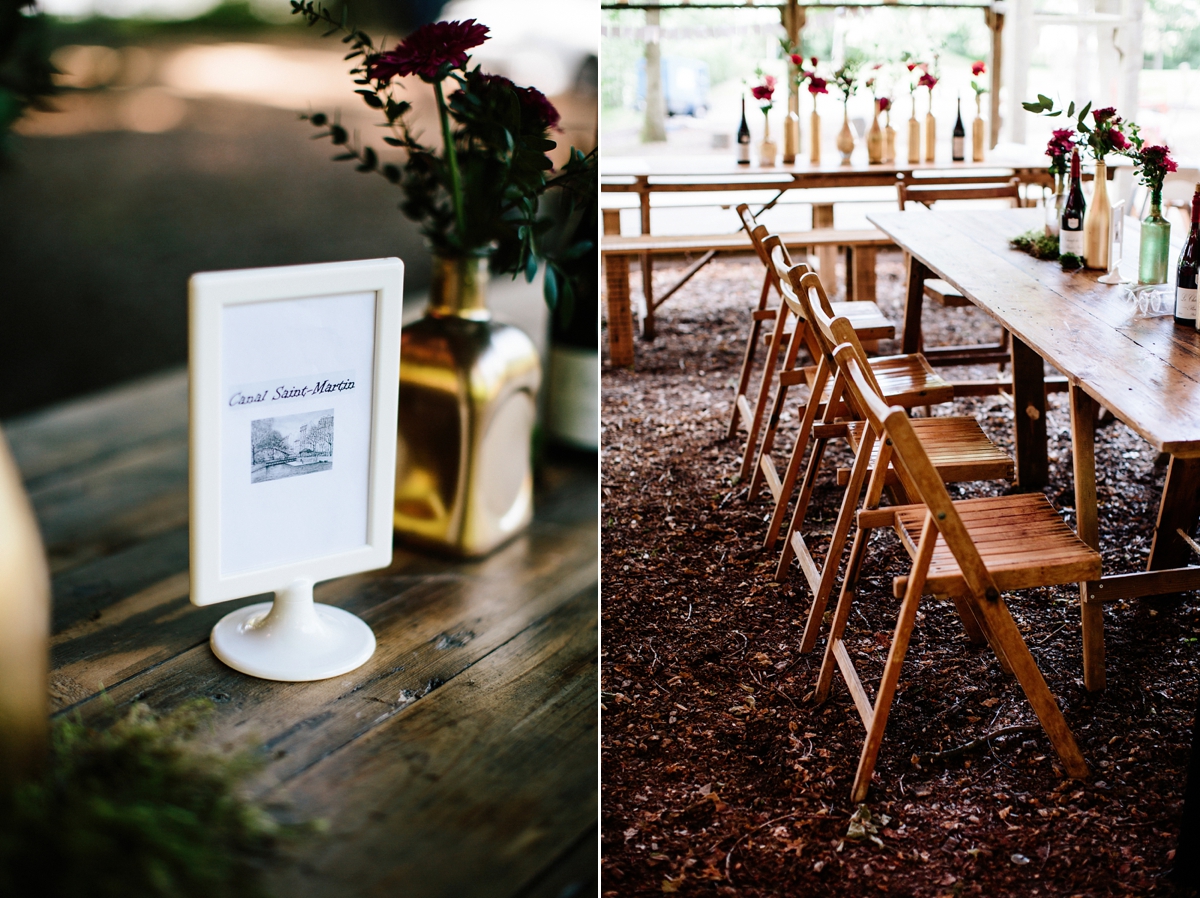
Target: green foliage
1037,243
569,245
132,811
25,69
1070,261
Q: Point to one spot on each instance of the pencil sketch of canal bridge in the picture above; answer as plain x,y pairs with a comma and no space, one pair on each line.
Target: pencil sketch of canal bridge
290,445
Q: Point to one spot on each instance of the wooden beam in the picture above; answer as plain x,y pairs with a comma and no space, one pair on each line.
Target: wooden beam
995,22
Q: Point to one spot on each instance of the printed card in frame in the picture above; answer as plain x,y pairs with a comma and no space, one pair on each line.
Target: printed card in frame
293,379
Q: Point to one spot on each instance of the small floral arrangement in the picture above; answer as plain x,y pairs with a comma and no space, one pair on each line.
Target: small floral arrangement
927,80
978,68
479,194
845,78
1152,164
1059,150
884,104
1108,133
764,91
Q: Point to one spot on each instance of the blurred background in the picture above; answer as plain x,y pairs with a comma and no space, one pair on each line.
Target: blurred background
173,144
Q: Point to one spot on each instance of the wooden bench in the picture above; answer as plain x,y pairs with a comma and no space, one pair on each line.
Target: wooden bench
860,247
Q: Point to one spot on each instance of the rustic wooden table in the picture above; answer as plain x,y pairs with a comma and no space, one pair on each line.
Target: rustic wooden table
461,760
1146,371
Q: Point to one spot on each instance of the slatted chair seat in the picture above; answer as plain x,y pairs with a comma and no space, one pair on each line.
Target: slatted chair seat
868,321
959,449
1022,540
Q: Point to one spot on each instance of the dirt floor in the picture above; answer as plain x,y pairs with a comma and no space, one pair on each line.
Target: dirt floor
719,777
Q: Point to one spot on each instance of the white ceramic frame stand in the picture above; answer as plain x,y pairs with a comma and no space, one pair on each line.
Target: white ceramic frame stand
291,639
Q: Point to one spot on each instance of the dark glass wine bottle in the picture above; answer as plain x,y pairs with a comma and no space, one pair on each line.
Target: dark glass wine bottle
1070,231
958,150
1189,261
743,138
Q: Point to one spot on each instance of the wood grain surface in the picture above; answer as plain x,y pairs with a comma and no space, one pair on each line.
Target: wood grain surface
460,760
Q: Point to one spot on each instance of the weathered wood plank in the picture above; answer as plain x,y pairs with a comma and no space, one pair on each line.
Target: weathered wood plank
428,631
88,431
473,794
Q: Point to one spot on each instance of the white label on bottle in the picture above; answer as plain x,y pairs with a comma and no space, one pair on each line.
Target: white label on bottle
1070,241
743,152
573,403
958,151
1185,302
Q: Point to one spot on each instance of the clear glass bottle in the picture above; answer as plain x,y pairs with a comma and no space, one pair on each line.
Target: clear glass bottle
1156,244
1054,207
468,388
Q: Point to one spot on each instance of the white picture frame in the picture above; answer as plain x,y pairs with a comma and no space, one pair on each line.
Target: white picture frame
292,371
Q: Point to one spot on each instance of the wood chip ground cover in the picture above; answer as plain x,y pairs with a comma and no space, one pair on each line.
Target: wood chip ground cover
720,778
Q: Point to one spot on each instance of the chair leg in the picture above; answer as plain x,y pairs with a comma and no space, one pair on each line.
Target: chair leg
754,426
1004,631
841,614
748,357
895,660
768,441
787,553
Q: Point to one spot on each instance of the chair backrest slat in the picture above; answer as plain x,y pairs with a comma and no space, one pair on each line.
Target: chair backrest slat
927,195
893,424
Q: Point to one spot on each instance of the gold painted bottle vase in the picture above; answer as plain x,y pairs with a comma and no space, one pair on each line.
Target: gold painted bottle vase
889,139
930,132
468,390
845,138
977,131
875,140
815,146
914,136
1096,221
767,149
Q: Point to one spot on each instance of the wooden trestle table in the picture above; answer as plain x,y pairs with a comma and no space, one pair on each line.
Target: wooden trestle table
1146,371
460,760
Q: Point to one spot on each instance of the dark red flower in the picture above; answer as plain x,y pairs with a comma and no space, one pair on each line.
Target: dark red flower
428,49
1061,143
978,68
912,65
813,60
762,91
1118,139
1159,158
1107,114
817,85
534,103
884,104
927,80
797,59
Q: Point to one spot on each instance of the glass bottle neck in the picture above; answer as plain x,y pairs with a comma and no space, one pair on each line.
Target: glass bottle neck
458,288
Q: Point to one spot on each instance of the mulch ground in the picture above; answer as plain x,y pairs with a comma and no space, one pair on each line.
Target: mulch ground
719,777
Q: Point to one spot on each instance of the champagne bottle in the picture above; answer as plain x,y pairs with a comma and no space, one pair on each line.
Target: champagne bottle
743,138
958,152
1070,231
1189,261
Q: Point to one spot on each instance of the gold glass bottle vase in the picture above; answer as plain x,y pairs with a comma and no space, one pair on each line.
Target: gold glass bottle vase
1096,221
468,387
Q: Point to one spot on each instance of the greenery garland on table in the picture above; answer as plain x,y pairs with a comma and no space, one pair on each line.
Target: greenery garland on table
1041,246
134,811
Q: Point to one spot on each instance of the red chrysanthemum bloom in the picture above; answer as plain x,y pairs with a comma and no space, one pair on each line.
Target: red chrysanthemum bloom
426,50
814,61
1158,157
762,91
927,80
978,68
884,104
1107,114
818,85
1061,143
797,59
912,65
534,102
1118,139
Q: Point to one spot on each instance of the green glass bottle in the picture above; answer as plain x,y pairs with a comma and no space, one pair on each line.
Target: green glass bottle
1156,238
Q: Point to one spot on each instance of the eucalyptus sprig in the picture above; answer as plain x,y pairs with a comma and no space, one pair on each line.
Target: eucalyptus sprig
1108,133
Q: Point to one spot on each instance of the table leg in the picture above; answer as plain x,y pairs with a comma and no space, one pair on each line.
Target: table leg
864,274
822,217
1029,401
1083,450
648,295
1177,511
620,315
914,298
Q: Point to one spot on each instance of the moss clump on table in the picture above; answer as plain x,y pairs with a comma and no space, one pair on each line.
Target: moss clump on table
134,810
1042,246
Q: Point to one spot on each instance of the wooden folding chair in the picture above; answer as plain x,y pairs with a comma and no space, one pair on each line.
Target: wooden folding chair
973,549
905,379
866,316
957,447
941,291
